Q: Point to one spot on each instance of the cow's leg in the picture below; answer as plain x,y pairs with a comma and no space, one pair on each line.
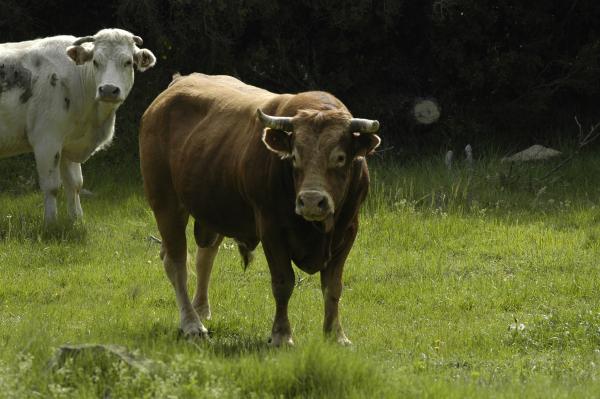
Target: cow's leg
47,159
282,285
204,263
331,286
171,223
72,181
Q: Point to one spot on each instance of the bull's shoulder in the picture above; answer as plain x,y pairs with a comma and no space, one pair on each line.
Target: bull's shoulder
315,100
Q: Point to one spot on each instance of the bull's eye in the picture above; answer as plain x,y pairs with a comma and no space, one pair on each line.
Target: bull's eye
96,64
128,63
337,158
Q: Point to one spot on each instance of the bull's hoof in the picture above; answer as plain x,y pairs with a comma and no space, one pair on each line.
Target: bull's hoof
343,341
203,311
339,339
279,340
193,331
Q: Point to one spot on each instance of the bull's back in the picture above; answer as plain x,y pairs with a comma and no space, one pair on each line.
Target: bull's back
200,118
199,130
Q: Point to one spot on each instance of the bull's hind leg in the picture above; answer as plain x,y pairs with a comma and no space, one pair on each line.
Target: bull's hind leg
171,223
208,246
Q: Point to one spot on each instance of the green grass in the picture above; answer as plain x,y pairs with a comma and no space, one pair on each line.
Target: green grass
470,283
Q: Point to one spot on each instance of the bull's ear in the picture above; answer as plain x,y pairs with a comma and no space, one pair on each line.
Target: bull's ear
79,54
144,59
278,141
364,144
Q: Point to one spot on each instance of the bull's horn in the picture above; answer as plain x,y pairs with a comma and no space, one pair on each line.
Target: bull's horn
138,41
85,39
275,122
364,125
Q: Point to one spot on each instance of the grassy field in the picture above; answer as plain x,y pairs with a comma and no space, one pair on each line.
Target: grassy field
470,283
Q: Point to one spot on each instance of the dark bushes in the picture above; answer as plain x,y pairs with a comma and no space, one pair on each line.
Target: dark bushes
503,71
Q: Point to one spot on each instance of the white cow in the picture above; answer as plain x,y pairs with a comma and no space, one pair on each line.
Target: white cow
58,99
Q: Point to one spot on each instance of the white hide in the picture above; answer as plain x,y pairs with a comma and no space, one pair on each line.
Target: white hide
50,105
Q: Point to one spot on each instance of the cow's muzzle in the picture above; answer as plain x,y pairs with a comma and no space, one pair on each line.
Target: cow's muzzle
109,93
314,205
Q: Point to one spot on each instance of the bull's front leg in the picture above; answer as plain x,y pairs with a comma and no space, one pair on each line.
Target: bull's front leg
72,181
331,286
282,285
47,159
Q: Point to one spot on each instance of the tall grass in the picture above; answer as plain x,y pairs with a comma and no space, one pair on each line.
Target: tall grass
476,282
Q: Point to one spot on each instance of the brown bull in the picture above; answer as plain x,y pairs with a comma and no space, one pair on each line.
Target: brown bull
285,170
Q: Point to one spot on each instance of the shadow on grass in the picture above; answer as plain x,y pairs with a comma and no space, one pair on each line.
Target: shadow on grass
224,341
27,228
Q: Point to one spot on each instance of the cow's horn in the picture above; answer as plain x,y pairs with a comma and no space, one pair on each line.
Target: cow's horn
138,41
85,39
364,125
275,122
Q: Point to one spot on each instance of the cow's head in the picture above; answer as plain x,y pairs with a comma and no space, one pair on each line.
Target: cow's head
322,147
112,54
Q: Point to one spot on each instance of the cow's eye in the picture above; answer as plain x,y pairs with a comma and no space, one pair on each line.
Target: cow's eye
341,160
128,63
96,64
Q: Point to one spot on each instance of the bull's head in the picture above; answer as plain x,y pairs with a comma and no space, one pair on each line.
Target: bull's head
322,147
112,54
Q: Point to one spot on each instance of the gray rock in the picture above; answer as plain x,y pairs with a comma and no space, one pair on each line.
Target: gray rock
112,353
534,153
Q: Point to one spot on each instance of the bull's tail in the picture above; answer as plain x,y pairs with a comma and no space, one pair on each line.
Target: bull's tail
246,253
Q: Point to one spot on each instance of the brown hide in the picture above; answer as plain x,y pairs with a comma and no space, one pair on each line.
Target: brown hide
201,154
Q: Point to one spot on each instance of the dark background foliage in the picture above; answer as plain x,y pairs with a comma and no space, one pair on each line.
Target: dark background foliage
504,72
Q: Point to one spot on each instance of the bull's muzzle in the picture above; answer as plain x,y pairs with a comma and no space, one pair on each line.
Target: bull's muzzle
314,205
109,93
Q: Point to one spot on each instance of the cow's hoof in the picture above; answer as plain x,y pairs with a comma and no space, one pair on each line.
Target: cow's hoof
279,340
203,311
339,338
194,331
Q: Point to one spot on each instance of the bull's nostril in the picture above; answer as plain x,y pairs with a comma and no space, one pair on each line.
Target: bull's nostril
300,202
322,204
116,90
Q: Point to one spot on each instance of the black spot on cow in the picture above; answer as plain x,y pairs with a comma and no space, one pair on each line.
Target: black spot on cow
67,103
16,76
53,79
56,159
26,95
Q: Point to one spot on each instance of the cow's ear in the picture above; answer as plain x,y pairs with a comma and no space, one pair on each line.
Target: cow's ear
79,54
144,59
364,144
278,141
